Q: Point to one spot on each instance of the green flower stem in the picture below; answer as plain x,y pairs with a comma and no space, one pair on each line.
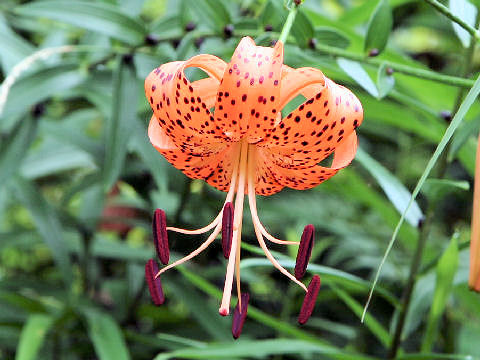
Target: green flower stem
401,68
288,24
445,11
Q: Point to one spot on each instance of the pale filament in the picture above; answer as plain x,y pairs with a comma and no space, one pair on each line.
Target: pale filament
210,226
258,233
215,222
237,223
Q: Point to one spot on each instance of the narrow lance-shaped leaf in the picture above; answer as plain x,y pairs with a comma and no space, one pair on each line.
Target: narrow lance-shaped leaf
393,188
14,150
379,28
358,73
466,11
102,18
446,270
106,336
385,81
33,336
47,224
121,122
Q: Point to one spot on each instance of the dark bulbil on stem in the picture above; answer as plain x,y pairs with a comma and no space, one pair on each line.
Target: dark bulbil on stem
154,284
190,26
268,28
239,316
160,237
228,30
304,251
227,229
309,300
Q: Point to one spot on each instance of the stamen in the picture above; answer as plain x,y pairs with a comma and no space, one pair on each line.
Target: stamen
309,300
154,282
239,315
252,202
194,253
304,251
237,224
227,229
160,237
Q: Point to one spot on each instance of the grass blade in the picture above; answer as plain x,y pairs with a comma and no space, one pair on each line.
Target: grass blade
456,121
32,336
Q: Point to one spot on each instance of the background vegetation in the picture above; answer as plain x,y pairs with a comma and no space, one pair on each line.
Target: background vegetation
79,182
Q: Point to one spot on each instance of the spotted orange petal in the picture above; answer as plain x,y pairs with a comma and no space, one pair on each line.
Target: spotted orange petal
316,128
181,107
248,96
309,177
215,168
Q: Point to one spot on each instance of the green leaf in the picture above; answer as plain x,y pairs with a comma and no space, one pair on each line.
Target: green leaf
14,149
100,17
468,13
33,336
211,12
13,48
436,189
40,85
393,188
106,336
302,29
446,270
379,27
47,224
456,122
358,73
370,322
121,122
330,36
385,81
258,349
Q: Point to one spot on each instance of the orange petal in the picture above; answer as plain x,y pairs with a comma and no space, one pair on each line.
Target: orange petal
248,96
317,127
180,107
265,182
215,167
306,178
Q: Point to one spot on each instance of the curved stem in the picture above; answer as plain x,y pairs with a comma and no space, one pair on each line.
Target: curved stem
445,11
288,23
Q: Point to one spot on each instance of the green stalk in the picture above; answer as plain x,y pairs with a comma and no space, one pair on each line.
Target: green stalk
445,11
288,24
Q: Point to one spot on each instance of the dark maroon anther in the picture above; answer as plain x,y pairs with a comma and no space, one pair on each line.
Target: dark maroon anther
154,285
309,300
239,316
304,251
160,237
227,229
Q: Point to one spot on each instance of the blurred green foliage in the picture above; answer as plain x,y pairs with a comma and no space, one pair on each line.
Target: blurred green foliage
79,181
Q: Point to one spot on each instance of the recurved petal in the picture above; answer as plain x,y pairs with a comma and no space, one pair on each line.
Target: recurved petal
248,96
213,164
181,107
316,128
306,178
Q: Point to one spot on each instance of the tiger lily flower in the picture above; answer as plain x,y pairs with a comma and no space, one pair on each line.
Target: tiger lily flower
474,278
246,148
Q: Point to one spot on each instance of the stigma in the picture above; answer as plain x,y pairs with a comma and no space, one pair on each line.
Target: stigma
228,223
